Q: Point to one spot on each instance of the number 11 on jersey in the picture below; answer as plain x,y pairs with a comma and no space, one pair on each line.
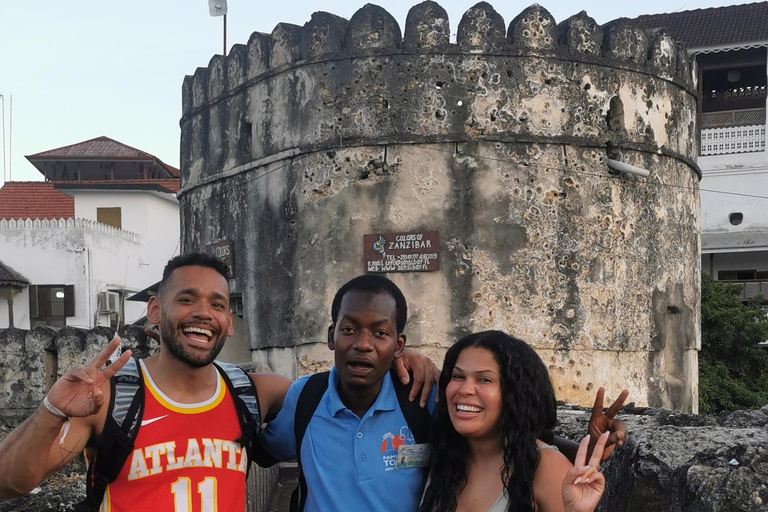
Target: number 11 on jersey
182,495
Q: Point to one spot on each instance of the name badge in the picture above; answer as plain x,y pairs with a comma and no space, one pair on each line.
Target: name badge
412,456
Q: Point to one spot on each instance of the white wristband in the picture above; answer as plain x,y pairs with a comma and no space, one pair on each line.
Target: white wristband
54,410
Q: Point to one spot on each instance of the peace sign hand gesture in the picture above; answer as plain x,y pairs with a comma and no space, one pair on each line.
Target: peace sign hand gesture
78,393
601,422
583,486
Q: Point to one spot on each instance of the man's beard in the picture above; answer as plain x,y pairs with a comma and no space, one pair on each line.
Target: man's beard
169,337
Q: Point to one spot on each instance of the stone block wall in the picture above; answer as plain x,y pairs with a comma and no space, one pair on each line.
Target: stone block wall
297,144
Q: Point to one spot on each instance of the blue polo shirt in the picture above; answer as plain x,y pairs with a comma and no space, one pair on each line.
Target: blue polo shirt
349,462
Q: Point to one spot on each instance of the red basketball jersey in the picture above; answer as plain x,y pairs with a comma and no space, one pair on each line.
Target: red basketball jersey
185,458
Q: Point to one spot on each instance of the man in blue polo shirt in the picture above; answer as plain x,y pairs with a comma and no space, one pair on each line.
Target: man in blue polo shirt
350,447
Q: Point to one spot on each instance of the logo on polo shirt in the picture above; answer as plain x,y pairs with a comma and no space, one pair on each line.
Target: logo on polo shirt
390,442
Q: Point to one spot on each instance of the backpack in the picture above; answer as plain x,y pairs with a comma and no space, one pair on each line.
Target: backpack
418,418
126,407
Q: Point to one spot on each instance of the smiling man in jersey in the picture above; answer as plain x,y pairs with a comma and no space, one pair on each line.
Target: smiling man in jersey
185,455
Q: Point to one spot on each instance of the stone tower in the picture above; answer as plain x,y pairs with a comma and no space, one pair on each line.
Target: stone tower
297,144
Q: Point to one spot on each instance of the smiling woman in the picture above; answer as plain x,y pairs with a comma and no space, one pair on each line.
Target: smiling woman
492,425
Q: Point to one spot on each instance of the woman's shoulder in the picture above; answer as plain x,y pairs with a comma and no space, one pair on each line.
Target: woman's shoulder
548,478
550,460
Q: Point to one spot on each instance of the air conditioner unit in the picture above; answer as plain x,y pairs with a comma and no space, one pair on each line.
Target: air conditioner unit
109,302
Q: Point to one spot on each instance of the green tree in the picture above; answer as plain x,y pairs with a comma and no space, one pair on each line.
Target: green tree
733,370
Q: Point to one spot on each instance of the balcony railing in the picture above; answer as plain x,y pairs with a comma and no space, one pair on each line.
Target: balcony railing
733,139
728,118
749,288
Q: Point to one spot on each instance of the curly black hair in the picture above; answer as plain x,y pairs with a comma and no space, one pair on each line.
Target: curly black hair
193,259
528,413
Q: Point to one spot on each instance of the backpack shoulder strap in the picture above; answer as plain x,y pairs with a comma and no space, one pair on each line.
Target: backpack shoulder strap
307,403
418,418
246,401
126,406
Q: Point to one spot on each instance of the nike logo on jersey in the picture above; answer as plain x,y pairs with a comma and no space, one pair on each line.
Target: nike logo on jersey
152,420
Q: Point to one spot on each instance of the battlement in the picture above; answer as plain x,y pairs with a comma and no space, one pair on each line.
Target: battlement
374,31
336,82
68,224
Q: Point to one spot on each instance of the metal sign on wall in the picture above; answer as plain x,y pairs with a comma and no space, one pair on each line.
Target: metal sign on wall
225,252
401,252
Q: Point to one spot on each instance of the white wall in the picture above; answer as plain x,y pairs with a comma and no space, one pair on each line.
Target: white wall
153,215
746,174
92,257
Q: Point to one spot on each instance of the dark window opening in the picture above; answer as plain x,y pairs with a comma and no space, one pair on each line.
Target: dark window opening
736,218
246,137
51,304
615,117
741,275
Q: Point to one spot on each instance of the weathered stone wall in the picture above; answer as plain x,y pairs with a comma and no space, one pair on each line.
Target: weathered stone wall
303,140
675,462
33,360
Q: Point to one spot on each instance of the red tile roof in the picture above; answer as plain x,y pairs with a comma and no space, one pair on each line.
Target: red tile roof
101,148
717,26
34,200
160,185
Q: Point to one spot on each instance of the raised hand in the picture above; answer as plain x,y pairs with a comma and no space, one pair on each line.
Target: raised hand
425,374
79,392
601,422
583,485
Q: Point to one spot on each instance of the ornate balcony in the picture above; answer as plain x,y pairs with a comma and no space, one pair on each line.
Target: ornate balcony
733,131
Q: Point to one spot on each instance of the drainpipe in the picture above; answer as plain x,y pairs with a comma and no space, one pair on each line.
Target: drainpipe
631,169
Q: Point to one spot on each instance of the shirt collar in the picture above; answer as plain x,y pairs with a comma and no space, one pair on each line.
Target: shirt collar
385,401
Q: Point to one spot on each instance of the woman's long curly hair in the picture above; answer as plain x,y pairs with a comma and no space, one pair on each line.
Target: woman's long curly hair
528,413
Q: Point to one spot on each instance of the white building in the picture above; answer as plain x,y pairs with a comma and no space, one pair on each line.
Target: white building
102,227
730,48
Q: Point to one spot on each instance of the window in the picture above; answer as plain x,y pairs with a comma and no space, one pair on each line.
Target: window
736,218
109,216
51,304
742,275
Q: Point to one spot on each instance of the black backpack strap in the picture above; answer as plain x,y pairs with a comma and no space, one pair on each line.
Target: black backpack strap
418,418
246,402
126,406
307,403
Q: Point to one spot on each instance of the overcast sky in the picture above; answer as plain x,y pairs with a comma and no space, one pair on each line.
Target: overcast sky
82,69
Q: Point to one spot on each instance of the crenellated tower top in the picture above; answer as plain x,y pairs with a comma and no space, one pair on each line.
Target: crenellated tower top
335,81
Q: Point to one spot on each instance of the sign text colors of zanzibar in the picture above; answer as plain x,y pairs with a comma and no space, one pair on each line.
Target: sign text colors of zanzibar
225,252
401,252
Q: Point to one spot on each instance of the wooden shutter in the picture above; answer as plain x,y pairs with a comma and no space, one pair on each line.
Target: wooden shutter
33,310
69,300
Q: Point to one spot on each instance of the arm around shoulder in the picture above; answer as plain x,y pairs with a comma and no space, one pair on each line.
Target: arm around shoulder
270,389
